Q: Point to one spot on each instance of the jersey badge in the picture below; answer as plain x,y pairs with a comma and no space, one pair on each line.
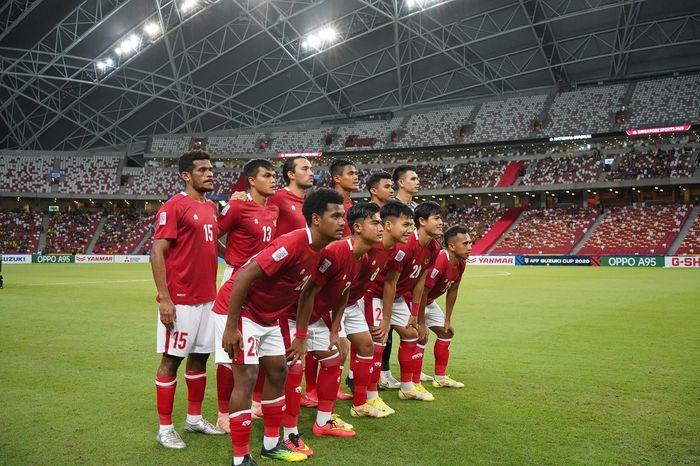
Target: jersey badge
399,256
434,273
280,254
196,217
294,207
163,218
225,209
324,266
256,221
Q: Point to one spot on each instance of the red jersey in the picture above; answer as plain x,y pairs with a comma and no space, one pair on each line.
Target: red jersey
191,260
290,215
249,227
336,272
347,231
443,276
376,261
288,263
410,260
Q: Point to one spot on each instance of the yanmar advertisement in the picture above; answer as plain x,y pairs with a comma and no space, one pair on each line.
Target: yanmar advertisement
93,259
491,260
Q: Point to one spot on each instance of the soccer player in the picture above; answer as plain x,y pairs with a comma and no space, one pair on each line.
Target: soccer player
407,186
379,187
345,181
445,278
184,262
299,176
324,299
249,226
254,299
406,272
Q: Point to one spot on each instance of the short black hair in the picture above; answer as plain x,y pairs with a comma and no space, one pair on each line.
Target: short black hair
317,203
452,232
338,165
400,171
186,161
375,178
251,168
290,165
395,209
425,210
359,212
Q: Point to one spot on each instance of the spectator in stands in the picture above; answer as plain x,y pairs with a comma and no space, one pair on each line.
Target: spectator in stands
379,187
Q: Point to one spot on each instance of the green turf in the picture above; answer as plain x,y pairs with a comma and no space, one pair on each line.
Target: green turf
561,365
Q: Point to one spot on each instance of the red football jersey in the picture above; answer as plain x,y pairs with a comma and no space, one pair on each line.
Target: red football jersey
290,215
377,258
336,272
191,261
288,263
443,276
410,260
346,229
249,227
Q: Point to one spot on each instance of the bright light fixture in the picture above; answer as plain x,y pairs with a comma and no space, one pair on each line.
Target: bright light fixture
319,39
152,29
188,5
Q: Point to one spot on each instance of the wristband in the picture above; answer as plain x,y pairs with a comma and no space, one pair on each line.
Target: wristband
301,334
414,309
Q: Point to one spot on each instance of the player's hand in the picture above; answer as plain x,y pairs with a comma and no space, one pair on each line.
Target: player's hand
449,328
375,332
296,351
166,308
232,341
238,196
383,331
334,340
422,332
412,322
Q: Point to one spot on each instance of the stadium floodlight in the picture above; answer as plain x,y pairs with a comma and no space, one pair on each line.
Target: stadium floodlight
320,39
128,45
188,5
104,64
152,29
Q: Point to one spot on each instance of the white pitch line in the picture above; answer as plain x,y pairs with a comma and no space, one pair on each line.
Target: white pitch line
97,282
493,274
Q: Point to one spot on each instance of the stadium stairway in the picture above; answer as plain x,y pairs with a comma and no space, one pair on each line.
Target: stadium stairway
44,232
510,175
98,230
684,230
588,234
143,241
500,228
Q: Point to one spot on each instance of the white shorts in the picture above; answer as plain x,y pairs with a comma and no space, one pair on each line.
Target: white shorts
354,318
258,341
434,316
400,313
193,331
319,336
228,271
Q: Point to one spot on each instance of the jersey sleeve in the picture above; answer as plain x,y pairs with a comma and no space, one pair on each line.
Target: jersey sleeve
276,256
398,260
230,215
328,267
166,222
436,272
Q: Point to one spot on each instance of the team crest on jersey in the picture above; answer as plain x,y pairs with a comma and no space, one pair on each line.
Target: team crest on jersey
324,265
163,218
294,207
256,221
225,209
426,261
374,262
434,273
399,256
196,217
280,254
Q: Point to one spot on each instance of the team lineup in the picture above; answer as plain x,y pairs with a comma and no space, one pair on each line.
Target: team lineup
311,278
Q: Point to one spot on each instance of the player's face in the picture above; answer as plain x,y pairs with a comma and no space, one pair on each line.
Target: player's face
265,182
372,229
433,225
348,179
331,223
398,228
303,174
383,191
410,182
461,245
201,178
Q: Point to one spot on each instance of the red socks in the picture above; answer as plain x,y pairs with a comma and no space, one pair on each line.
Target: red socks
272,415
165,397
407,350
418,363
196,384
224,386
292,393
442,355
328,383
376,367
240,423
362,369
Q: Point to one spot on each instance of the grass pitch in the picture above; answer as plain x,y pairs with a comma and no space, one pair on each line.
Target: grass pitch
561,366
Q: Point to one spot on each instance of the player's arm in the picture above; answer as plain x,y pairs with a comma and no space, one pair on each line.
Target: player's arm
388,296
166,307
297,349
232,339
450,300
418,301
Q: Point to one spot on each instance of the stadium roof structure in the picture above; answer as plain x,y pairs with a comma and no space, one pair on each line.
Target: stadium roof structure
109,73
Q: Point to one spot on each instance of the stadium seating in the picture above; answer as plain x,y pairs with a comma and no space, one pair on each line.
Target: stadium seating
160,182
567,169
477,220
25,174
477,173
691,242
435,128
665,101
652,163
122,232
95,174
637,230
547,231
146,248
71,232
299,141
379,131
228,145
170,145
20,231
507,120
586,110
